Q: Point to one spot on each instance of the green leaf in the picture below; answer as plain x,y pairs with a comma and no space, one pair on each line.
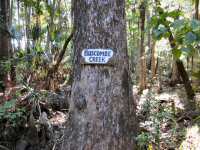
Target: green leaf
160,32
178,24
187,50
160,10
49,9
175,14
176,53
195,24
190,38
9,104
154,22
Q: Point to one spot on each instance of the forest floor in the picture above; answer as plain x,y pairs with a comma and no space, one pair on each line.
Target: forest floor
33,120
166,120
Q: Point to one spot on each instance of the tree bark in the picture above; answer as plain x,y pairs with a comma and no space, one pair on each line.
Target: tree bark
153,59
181,70
197,9
102,114
196,16
142,47
175,77
185,78
4,35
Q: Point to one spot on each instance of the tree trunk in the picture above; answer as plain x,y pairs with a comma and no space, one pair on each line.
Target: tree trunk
142,47
153,59
180,67
175,77
196,16
149,41
50,26
185,78
102,114
182,72
18,22
4,35
197,9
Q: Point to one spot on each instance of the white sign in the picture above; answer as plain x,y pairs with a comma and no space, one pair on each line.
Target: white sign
97,56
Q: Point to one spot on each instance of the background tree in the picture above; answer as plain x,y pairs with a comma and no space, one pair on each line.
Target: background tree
5,41
162,29
196,2
142,46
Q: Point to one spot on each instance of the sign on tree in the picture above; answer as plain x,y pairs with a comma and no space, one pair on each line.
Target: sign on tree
97,56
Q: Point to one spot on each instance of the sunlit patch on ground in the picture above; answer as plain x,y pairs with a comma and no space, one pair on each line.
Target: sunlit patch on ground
172,96
58,118
173,128
192,139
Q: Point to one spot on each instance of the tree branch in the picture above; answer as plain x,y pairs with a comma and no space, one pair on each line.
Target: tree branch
61,54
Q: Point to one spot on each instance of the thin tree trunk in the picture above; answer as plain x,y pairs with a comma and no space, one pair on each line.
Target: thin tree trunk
192,63
132,36
149,41
102,115
196,16
153,59
142,47
175,78
11,49
181,70
50,26
28,28
197,9
185,78
18,21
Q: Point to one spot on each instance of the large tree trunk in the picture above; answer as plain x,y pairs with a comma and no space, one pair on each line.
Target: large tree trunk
102,113
4,35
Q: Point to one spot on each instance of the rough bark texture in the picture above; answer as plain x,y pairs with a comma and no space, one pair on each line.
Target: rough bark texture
102,114
4,34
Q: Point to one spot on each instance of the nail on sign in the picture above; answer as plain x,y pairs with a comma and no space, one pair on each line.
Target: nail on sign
97,56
